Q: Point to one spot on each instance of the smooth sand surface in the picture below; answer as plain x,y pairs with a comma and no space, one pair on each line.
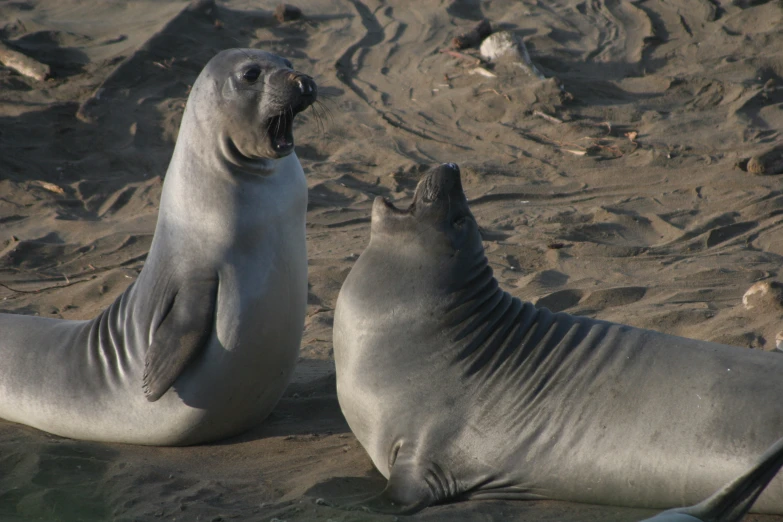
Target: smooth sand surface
619,190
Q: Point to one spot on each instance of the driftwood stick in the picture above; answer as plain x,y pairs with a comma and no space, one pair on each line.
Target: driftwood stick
461,56
23,64
547,117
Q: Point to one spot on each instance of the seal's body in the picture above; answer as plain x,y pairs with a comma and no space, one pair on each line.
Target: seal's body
734,500
458,390
203,343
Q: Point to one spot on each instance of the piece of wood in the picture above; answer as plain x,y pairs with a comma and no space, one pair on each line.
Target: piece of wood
547,117
483,72
23,64
461,56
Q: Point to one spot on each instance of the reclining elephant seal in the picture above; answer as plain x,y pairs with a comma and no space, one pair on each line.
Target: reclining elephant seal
732,502
457,390
202,344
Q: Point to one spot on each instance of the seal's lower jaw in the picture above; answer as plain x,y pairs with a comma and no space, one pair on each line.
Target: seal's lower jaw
389,206
281,134
385,214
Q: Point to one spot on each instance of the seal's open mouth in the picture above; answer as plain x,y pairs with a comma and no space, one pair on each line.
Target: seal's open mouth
281,132
391,206
299,92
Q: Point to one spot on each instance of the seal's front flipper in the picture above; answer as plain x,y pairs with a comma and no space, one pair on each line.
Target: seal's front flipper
735,499
399,498
408,490
182,334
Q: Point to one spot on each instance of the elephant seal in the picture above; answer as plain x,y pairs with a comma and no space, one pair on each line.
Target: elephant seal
202,344
457,390
732,502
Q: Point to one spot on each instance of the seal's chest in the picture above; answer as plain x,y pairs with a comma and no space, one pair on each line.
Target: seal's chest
267,273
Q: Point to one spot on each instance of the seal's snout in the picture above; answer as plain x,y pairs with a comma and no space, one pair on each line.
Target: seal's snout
299,89
442,182
308,90
294,92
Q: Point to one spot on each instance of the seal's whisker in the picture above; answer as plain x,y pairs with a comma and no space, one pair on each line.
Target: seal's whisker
326,110
318,119
322,114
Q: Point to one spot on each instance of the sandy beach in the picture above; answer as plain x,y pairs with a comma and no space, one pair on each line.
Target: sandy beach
635,183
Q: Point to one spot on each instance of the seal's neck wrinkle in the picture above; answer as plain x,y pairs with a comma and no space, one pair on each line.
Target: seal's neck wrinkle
494,331
227,157
485,320
239,163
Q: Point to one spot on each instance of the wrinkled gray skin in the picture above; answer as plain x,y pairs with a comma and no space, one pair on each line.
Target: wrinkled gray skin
734,500
459,391
202,344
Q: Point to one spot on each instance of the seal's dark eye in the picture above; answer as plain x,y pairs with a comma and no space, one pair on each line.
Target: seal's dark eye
458,222
252,74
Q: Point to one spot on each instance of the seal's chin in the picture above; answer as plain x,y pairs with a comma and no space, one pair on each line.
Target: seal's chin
281,133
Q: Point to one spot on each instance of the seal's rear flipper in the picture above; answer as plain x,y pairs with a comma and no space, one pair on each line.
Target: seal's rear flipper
184,331
735,499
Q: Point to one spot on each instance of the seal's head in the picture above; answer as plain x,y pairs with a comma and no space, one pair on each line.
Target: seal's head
439,219
255,96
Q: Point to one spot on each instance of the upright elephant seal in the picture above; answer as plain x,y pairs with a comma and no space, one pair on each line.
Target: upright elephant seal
202,344
458,390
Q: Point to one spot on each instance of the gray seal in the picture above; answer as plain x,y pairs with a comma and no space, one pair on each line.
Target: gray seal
203,343
457,390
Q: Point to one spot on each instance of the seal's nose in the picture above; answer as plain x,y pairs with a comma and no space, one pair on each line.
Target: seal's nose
441,182
300,88
307,86
304,84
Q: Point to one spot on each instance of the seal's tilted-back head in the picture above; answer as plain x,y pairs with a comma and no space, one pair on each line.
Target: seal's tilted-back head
258,95
438,218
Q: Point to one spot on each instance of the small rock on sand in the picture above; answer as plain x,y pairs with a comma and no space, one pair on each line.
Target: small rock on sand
497,45
287,13
505,45
767,163
764,295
